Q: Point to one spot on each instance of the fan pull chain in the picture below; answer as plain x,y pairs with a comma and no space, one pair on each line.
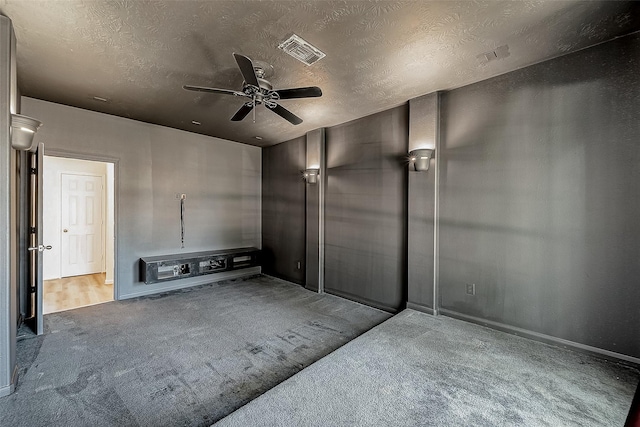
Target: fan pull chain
254,108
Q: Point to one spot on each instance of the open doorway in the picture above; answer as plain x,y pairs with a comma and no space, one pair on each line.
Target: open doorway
78,220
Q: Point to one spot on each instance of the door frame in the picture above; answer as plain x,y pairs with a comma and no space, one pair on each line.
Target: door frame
52,152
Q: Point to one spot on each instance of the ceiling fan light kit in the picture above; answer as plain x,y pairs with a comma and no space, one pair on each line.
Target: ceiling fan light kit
259,91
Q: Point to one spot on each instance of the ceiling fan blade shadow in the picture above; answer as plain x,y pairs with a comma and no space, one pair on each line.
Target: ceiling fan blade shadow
212,90
300,92
246,68
286,114
242,112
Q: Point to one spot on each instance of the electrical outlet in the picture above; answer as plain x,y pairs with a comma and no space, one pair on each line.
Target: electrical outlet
299,265
471,288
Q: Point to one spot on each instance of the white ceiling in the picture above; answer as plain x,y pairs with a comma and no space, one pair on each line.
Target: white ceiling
138,54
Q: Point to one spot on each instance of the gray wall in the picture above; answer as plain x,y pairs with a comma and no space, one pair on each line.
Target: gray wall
283,210
366,209
540,198
222,180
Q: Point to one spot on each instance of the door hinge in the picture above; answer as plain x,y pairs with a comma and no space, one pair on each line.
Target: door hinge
33,171
32,230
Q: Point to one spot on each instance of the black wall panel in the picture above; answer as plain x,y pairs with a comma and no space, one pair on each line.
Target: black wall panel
366,209
283,210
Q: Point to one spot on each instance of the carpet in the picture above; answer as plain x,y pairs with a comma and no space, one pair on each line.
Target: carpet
420,370
186,357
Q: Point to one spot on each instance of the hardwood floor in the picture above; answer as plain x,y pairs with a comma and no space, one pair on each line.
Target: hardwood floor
73,292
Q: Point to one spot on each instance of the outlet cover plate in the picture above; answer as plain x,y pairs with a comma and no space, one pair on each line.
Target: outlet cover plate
471,288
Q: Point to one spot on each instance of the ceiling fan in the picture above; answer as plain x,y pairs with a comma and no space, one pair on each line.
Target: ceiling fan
260,91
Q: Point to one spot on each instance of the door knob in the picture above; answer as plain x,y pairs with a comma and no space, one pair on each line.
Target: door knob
65,230
40,248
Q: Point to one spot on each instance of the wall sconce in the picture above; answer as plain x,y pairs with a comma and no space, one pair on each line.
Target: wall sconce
420,158
311,176
23,129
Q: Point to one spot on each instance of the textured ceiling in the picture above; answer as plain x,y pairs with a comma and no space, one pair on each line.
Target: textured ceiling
138,54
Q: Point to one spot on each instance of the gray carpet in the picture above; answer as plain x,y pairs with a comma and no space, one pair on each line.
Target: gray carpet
417,370
187,357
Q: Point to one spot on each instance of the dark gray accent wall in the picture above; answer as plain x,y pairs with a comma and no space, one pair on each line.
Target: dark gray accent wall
283,210
366,209
540,198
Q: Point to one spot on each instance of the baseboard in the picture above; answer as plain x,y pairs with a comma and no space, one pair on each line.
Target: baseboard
202,280
7,390
289,282
282,277
361,300
420,307
547,339
108,282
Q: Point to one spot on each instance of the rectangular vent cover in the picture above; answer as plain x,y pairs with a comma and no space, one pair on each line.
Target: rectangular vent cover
301,50
499,53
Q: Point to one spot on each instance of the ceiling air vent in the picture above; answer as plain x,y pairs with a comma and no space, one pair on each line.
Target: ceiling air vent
301,50
499,53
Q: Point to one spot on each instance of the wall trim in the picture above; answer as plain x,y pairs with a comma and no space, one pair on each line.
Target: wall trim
205,280
7,390
283,277
322,190
361,300
421,308
436,212
53,152
547,339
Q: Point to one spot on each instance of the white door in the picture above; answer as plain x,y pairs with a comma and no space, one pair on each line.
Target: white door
82,208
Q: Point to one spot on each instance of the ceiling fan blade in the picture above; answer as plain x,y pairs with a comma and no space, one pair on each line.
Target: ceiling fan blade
246,68
212,90
300,92
286,114
242,112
